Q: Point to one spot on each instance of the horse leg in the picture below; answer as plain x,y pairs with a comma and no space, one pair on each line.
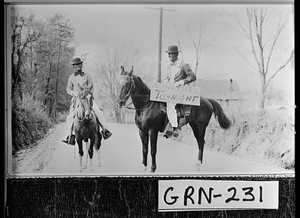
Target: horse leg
91,152
79,142
199,132
86,142
153,142
145,139
97,146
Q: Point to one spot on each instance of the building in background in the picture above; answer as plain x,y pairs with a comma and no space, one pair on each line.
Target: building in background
227,93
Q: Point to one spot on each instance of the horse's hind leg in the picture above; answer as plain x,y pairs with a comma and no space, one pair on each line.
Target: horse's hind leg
98,145
199,132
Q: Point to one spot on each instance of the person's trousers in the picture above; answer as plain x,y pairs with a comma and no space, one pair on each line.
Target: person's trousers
172,114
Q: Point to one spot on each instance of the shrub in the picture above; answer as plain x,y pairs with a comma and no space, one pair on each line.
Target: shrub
29,123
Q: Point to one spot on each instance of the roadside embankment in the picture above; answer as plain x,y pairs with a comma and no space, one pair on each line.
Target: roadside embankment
267,137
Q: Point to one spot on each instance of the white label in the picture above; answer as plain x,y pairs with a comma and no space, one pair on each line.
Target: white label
186,195
186,94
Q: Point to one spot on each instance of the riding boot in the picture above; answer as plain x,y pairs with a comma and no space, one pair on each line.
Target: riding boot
105,132
171,131
175,132
168,131
70,140
66,140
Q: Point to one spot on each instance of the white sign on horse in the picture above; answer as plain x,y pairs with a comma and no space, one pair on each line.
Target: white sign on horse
164,92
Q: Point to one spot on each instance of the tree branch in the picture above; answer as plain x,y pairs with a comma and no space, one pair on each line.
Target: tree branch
281,67
250,15
245,59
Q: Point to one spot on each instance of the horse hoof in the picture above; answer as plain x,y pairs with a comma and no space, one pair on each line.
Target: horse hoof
84,166
197,166
197,169
144,168
152,170
99,165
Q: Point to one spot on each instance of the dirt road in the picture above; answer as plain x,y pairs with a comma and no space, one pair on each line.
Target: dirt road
121,155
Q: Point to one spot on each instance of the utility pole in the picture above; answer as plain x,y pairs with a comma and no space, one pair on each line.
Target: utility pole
159,39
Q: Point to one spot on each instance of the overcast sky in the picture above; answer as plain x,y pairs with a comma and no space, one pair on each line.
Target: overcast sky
138,25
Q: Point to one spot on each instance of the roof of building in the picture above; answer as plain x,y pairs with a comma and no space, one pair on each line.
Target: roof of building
219,89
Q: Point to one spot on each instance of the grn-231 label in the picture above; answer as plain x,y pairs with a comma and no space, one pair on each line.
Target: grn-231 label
176,195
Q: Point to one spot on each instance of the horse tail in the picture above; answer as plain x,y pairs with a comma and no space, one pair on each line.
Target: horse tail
220,116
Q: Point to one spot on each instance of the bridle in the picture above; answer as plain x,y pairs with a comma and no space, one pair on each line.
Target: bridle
130,93
132,86
79,100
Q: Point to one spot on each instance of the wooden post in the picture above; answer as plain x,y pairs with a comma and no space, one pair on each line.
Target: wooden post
160,45
159,40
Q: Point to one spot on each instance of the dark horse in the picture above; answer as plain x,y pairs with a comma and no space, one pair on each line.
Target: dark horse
150,119
86,127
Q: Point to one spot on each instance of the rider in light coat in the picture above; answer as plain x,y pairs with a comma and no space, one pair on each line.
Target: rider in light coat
77,82
178,74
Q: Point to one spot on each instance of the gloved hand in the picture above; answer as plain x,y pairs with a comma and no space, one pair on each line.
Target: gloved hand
179,83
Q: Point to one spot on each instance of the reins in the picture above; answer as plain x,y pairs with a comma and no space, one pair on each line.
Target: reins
129,94
133,108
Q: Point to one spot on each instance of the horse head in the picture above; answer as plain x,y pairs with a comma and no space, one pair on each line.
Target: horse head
127,86
85,104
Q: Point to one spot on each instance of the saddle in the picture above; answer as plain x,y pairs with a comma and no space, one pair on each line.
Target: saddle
183,111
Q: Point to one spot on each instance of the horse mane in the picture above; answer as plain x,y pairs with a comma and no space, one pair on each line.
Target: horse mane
144,86
78,109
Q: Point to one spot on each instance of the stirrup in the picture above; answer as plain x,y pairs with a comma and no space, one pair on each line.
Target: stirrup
106,134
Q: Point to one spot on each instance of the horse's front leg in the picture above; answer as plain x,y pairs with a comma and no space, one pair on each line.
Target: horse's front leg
153,142
80,151
86,144
145,139
90,148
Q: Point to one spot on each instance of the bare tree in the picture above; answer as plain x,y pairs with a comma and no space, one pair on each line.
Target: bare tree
201,40
178,39
262,48
108,65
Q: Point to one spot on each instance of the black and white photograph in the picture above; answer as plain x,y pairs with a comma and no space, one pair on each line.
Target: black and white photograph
150,89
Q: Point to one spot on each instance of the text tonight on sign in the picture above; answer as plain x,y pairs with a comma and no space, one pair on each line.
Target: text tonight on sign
186,94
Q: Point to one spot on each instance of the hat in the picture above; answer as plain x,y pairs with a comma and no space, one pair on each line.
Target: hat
76,61
172,49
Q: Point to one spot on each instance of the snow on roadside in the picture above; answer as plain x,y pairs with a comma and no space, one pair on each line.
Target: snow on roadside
267,137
